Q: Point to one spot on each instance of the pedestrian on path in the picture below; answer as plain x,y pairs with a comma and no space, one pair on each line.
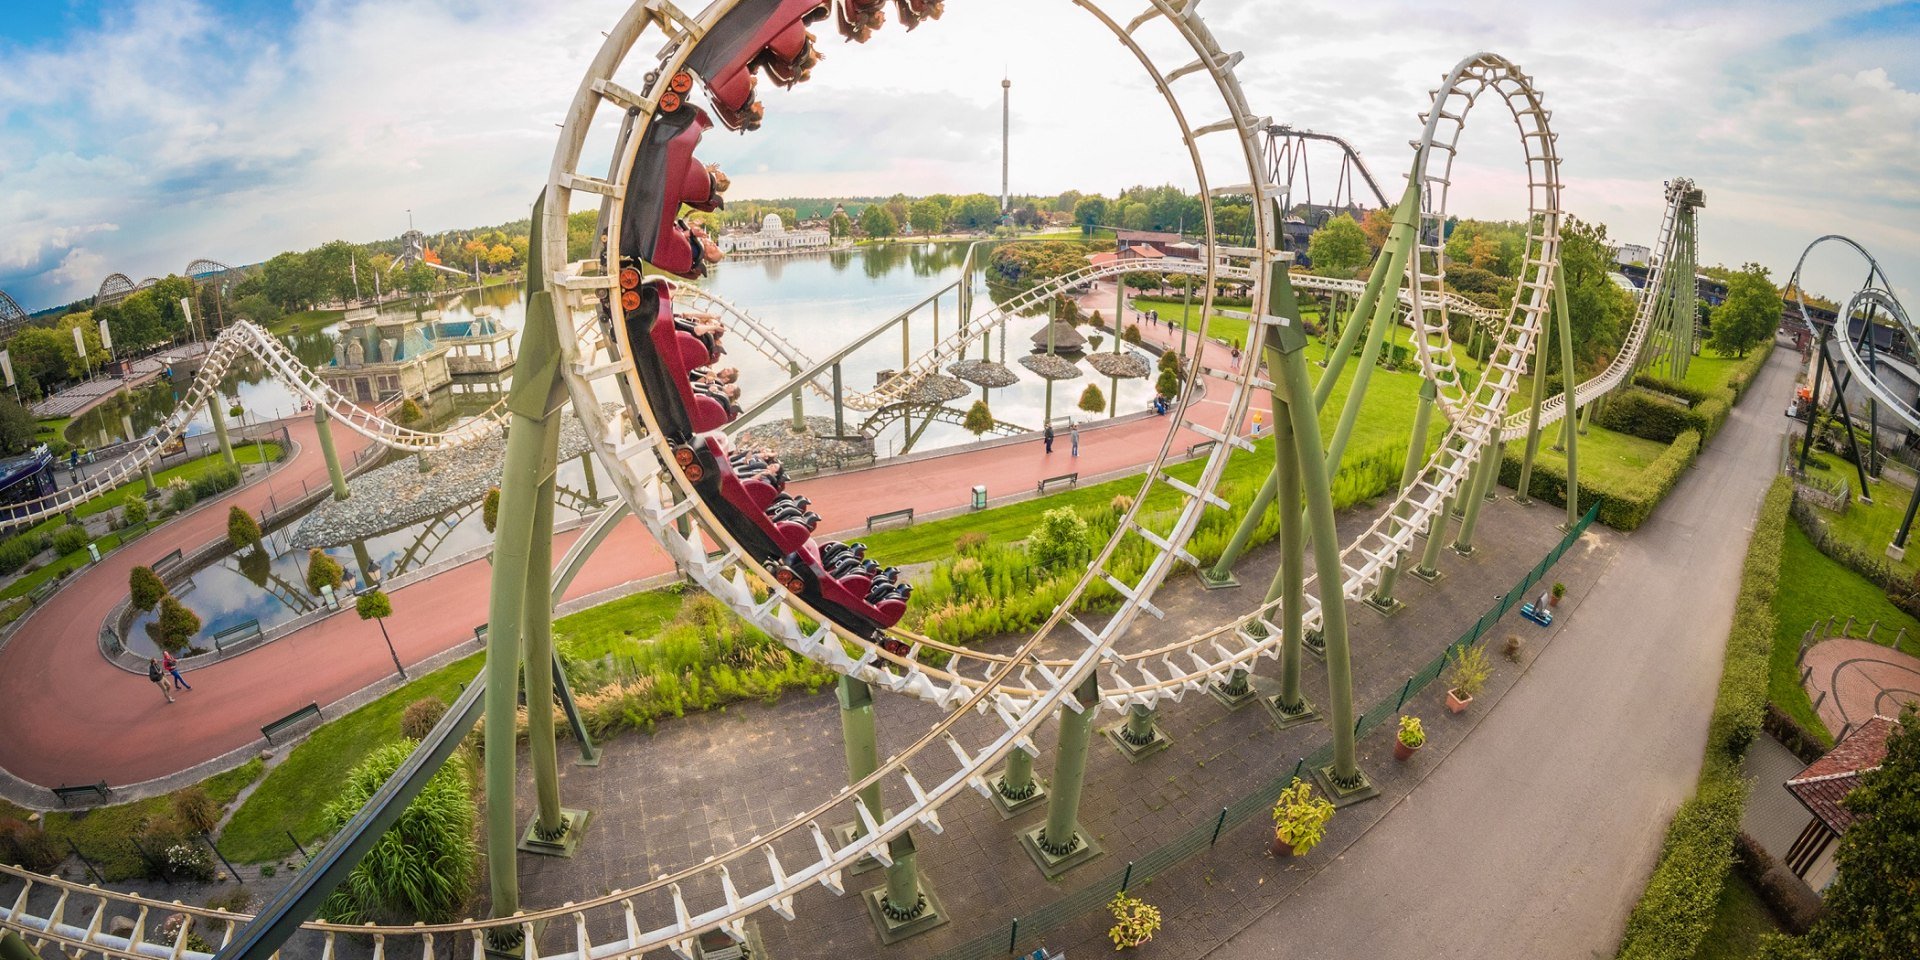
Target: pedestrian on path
1073,433
1046,437
158,678
172,666
1257,421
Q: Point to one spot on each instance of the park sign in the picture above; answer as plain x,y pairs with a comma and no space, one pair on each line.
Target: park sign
79,343
106,336
6,365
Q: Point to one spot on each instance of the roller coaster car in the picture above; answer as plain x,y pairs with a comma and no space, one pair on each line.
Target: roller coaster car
769,34
737,500
914,11
858,19
664,356
843,599
665,175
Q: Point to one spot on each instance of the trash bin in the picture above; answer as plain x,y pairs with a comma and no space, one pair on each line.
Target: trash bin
979,496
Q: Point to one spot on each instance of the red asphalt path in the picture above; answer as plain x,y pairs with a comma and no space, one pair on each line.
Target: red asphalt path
68,716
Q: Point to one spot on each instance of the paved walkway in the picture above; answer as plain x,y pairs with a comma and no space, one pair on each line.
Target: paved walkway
1556,807
52,667
1852,680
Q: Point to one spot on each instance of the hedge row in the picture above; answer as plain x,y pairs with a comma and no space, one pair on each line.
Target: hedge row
1645,414
1622,508
1677,909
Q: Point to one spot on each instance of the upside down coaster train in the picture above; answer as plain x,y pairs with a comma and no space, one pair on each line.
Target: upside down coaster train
612,333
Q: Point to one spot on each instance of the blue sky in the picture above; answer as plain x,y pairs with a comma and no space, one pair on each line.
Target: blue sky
136,135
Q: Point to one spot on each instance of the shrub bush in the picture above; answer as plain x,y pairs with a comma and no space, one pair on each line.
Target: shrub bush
134,513
1677,910
235,899
215,481
15,552
242,530
409,413
1061,539
969,542
1133,333
420,716
323,571
179,498
27,845
194,808
1643,414
1622,508
70,538
423,867
1092,400
175,626
979,418
490,509
145,587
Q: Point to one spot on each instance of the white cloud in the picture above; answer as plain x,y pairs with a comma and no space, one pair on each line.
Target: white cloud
199,136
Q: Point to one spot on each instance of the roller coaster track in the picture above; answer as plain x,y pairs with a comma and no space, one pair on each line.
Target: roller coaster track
885,416
1014,692
243,339
1680,196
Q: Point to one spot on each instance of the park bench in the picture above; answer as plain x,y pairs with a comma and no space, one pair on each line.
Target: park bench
98,790
291,720
166,561
239,632
1200,448
1070,479
890,516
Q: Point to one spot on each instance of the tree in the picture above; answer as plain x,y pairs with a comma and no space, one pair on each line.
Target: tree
409,413
498,256
145,587
1599,309
1168,385
976,211
1135,215
1089,212
175,626
242,530
423,867
1339,248
374,605
1378,223
876,221
840,226
1873,906
16,425
1749,314
1143,280
1092,400
925,216
323,571
979,418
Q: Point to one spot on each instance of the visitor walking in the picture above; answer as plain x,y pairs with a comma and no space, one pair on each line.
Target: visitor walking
1073,433
158,677
172,666
1046,437
1257,421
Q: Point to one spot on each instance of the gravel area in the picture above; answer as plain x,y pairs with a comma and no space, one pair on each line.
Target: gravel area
1051,367
1125,366
984,373
802,451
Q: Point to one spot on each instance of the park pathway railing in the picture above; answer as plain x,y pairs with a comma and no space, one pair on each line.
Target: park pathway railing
1005,938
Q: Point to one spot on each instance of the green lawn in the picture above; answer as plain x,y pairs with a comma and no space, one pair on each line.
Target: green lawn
53,433
1709,371
1738,923
1869,527
1607,458
1814,587
104,835
297,789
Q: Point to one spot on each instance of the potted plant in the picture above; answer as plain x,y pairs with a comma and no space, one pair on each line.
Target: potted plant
1559,590
1134,921
1299,820
1465,676
1411,738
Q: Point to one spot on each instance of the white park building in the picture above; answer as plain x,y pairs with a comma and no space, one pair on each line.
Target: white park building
774,237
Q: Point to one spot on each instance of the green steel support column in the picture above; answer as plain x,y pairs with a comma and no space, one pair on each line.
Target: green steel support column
1289,707
219,418
146,470
1478,482
1059,844
551,825
1382,598
863,748
1429,568
1221,573
1344,780
1493,477
537,393
1016,789
1568,422
799,413
323,426
1522,492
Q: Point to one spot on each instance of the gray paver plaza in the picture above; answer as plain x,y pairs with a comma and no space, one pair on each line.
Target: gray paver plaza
705,783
